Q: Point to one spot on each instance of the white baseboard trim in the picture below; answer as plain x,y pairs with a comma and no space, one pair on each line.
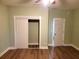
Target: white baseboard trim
12,48
72,46
33,43
9,48
67,45
50,45
43,47
75,46
4,52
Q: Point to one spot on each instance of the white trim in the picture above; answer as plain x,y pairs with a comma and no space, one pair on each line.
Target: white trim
12,48
50,45
75,47
64,29
28,17
72,46
67,45
9,48
44,47
33,43
4,52
14,31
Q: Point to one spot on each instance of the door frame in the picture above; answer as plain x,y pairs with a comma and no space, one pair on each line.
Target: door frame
53,44
27,18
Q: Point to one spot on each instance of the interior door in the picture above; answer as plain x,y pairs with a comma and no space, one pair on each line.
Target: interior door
58,31
21,33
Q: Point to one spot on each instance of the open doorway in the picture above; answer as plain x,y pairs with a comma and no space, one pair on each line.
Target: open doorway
33,33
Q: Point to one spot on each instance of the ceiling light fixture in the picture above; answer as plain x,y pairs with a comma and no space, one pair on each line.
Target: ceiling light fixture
51,1
47,2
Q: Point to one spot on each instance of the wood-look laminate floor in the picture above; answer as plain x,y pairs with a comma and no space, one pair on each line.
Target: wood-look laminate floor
26,54
64,52
61,52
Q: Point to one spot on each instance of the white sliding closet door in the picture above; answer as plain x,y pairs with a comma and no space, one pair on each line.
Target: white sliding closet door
21,33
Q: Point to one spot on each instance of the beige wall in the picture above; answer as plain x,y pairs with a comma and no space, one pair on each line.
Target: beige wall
4,28
31,11
61,13
75,28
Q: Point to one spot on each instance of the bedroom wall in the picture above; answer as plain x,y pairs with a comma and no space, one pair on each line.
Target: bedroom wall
4,28
30,11
75,29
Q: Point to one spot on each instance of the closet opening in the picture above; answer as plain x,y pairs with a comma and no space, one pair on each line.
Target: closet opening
33,33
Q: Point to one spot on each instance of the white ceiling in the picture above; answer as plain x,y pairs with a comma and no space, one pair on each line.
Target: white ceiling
58,4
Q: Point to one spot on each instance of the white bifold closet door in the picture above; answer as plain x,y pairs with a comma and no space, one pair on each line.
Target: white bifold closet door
21,33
